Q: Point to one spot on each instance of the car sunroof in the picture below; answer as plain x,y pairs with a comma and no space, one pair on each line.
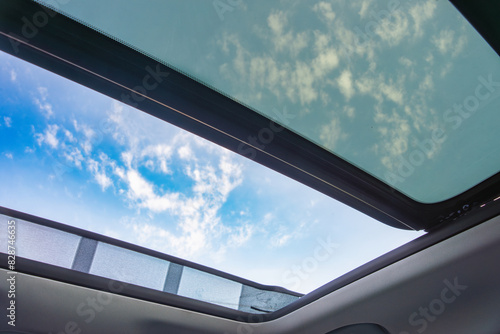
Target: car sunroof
386,108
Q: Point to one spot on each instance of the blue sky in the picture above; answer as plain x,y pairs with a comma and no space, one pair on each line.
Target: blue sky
75,156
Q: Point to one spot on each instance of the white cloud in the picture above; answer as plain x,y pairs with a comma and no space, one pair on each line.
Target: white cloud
285,41
301,84
427,83
300,81
49,137
13,75
241,235
90,136
331,133
9,155
392,92
128,128
393,29
380,89
283,235
140,189
69,136
303,81
383,89
326,61
210,181
8,121
460,44
422,12
351,44
281,240
196,227
325,9
345,84
192,241
277,22
268,218
406,61
74,155
395,131
42,104
232,176
363,10
185,152
350,111
161,154
197,216
98,170
446,42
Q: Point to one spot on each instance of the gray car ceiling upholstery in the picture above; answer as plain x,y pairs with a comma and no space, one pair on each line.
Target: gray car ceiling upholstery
456,281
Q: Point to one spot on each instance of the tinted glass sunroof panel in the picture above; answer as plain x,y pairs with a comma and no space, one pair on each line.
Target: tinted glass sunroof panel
406,90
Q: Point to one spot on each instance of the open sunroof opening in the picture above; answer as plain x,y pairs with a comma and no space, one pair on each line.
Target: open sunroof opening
75,156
